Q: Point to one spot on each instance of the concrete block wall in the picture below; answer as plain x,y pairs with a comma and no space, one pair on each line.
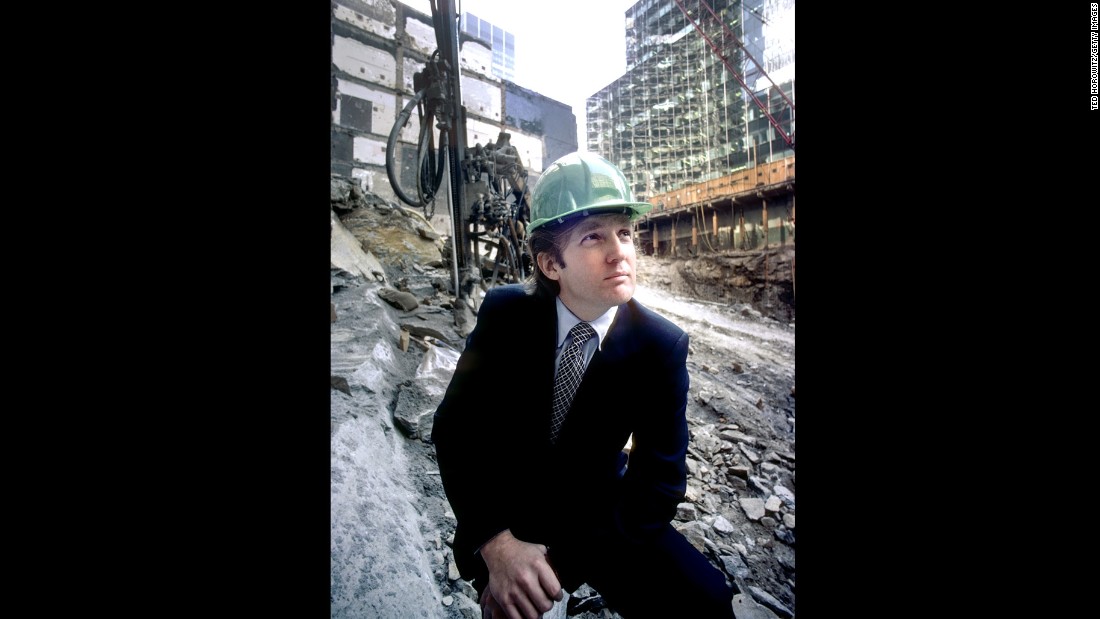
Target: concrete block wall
377,47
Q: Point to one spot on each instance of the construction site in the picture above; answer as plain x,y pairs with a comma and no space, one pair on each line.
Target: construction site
702,123
434,152
702,126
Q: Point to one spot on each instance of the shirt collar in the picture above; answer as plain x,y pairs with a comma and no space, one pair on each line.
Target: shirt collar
566,321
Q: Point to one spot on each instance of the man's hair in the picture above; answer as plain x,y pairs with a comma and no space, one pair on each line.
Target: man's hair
549,238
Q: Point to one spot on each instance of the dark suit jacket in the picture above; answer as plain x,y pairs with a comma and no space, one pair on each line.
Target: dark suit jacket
492,430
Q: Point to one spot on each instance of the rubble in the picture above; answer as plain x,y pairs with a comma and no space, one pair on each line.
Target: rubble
740,505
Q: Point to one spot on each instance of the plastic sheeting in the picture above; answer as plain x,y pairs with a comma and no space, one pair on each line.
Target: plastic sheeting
436,369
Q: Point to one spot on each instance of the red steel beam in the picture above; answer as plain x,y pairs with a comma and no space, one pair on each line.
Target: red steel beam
725,61
746,50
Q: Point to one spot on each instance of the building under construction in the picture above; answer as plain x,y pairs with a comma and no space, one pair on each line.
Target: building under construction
702,123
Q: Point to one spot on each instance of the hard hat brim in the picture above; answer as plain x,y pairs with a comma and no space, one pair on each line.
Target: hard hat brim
633,209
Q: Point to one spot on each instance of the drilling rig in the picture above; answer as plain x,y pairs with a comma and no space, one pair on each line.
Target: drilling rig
488,193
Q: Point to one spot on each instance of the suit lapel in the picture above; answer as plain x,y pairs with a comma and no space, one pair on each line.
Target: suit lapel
544,346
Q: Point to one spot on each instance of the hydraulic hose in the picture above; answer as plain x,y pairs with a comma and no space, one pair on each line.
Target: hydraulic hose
430,160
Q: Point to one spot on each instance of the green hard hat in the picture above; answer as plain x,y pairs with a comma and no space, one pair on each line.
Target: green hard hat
582,184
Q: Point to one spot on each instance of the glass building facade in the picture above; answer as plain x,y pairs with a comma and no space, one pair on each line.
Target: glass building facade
679,115
502,42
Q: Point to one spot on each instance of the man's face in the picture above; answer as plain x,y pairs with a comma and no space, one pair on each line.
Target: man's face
600,259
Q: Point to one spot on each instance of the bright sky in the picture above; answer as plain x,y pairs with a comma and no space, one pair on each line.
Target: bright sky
566,50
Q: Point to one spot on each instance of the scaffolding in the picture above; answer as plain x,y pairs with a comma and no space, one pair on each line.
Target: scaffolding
698,101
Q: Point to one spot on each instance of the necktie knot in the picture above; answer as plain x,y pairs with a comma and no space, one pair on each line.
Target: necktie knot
581,333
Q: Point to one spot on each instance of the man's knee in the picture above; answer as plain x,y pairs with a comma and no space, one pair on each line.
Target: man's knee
663,576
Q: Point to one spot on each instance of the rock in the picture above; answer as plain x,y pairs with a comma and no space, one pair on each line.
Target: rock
693,492
735,566
347,253
785,557
686,512
392,233
452,571
423,331
759,484
463,588
341,384
744,607
770,469
784,495
723,526
560,609
784,535
427,233
379,566
773,504
694,532
753,508
692,467
749,312
769,600
738,437
399,299
415,411
464,320
739,471
786,455
750,454
585,600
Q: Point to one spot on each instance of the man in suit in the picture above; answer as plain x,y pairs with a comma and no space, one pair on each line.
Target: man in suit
546,495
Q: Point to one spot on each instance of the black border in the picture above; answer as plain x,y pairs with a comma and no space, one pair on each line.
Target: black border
250,247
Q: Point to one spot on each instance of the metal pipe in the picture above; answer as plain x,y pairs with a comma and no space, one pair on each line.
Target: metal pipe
444,17
454,248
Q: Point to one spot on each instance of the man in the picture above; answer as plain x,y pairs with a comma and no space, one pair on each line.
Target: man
547,502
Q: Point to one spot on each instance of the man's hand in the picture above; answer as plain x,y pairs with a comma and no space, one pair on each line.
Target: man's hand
522,585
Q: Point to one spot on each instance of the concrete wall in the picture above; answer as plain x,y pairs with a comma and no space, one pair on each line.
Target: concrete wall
377,47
